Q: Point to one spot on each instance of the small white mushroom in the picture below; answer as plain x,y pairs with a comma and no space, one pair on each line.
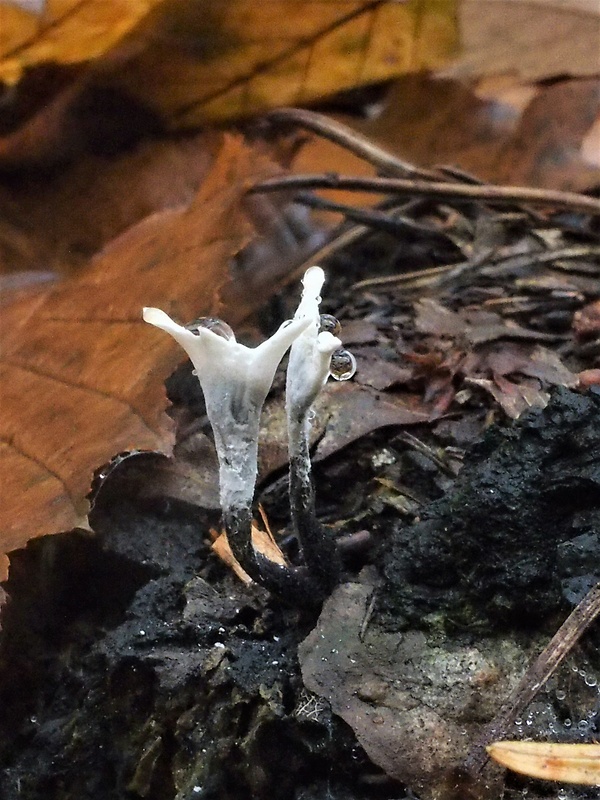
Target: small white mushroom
235,380
310,364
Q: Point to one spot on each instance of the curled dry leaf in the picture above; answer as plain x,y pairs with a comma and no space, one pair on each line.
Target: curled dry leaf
566,763
82,376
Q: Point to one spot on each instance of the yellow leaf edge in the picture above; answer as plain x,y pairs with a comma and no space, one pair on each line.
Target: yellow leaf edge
551,761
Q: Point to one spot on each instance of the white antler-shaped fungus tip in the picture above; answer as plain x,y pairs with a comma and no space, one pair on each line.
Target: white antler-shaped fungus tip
310,356
235,380
313,281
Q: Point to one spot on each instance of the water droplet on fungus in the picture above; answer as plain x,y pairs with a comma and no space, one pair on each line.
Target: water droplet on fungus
343,365
329,324
212,324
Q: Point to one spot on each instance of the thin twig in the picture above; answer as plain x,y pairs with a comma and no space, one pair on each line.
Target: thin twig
495,266
374,218
344,136
501,195
341,237
503,265
427,451
423,277
536,676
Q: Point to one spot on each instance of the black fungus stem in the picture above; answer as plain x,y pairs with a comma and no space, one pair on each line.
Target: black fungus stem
318,545
292,584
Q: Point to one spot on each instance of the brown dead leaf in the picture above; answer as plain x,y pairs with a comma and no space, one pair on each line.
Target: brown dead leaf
196,62
82,376
428,120
376,372
566,763
546,148
343,413
535,39
433,317
354,411
500,131
513,398
481,348
56,222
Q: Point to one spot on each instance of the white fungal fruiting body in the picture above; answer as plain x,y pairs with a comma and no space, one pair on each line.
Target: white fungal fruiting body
311,351
235,380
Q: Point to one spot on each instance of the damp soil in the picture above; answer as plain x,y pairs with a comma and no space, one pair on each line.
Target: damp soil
135,664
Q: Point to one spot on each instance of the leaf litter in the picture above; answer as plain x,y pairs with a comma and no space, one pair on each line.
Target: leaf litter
92,373
472,329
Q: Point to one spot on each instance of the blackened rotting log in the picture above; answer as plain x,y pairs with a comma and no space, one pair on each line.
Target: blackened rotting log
135,666
518,535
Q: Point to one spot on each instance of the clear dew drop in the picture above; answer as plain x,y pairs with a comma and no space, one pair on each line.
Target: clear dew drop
329,324
212,324
343,365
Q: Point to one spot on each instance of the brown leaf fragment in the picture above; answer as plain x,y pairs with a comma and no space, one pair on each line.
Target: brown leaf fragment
359,331
486,326
434,318
536,362
512,397
263,541
354,411
377,372
478,346
589,377
586,321
479,326
547,366
343,413
566,763
82,376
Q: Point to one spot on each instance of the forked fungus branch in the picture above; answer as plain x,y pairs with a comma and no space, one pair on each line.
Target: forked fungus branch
235,380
